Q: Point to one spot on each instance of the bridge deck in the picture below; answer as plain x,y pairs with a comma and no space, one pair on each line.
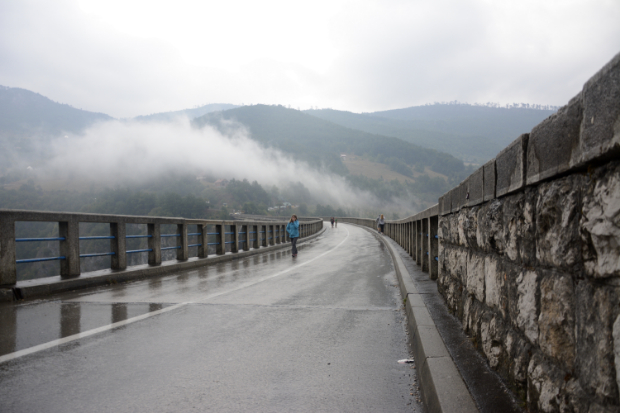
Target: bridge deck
322,332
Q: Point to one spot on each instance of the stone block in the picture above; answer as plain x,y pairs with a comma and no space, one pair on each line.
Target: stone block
519,351
600,128
492,333
510,167
594,317
463,189
600,223
544,385
519,227
558,210
526,305
552,142
556,322
475,275
443,230
494,281
490,231
475,187
6,295
489,180
467,227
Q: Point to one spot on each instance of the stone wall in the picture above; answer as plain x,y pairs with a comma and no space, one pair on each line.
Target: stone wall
529,255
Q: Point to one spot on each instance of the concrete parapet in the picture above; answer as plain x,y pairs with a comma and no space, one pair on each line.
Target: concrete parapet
510,167
600,128
554,142
489,180
475,188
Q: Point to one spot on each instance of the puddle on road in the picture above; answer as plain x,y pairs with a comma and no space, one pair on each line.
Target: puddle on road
27,325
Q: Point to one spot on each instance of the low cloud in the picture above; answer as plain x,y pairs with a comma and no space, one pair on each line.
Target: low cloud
130,152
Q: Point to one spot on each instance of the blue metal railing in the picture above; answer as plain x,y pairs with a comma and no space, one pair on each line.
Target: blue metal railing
39,239
171,248
136,251
97,254
40,259
138,236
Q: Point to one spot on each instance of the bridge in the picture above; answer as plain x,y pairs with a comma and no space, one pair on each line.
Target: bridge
502,297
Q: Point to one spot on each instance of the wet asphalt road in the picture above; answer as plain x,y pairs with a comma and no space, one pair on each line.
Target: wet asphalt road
319,333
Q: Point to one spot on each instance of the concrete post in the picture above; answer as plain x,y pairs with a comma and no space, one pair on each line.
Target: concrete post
220,248
434,249
418,234
70,248
426,247
234,238
118,246
203,248
278,234
154,243
8,267
254,236
246,228
270,234
263,234
183,252
8,321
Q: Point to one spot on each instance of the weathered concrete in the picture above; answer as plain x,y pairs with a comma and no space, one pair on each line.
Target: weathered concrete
510,165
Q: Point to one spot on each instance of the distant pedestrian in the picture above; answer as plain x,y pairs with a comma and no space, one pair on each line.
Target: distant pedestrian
378,227
293,232
332,221
381,224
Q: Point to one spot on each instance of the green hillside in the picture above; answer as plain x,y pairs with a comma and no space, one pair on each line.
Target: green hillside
25,113
468,132
320,142
190,113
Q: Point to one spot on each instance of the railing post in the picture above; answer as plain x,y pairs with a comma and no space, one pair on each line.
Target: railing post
69,248
220,248
8,266
263,242
246,228
418,234
118,245
154,243
203,239
425,245
434,249
255,243
234,238
183,252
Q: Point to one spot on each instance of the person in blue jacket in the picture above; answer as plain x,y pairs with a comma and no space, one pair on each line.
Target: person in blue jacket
293,232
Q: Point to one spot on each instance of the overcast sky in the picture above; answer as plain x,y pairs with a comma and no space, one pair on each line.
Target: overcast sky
135,57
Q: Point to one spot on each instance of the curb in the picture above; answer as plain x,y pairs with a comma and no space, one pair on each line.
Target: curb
52,285
443,388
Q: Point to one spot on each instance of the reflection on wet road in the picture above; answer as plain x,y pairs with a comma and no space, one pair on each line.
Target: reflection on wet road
321,332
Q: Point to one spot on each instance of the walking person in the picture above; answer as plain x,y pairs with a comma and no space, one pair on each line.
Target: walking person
332,221
381,223
378,227
293,232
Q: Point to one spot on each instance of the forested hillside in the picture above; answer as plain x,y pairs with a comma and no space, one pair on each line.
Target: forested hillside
320,142
190,113
25,114
473,133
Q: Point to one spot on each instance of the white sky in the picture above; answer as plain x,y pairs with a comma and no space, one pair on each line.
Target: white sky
135,57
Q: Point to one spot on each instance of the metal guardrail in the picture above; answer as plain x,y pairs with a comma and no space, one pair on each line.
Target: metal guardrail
226,236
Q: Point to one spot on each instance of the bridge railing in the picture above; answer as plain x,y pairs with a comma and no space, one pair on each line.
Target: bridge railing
417,234
221,235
